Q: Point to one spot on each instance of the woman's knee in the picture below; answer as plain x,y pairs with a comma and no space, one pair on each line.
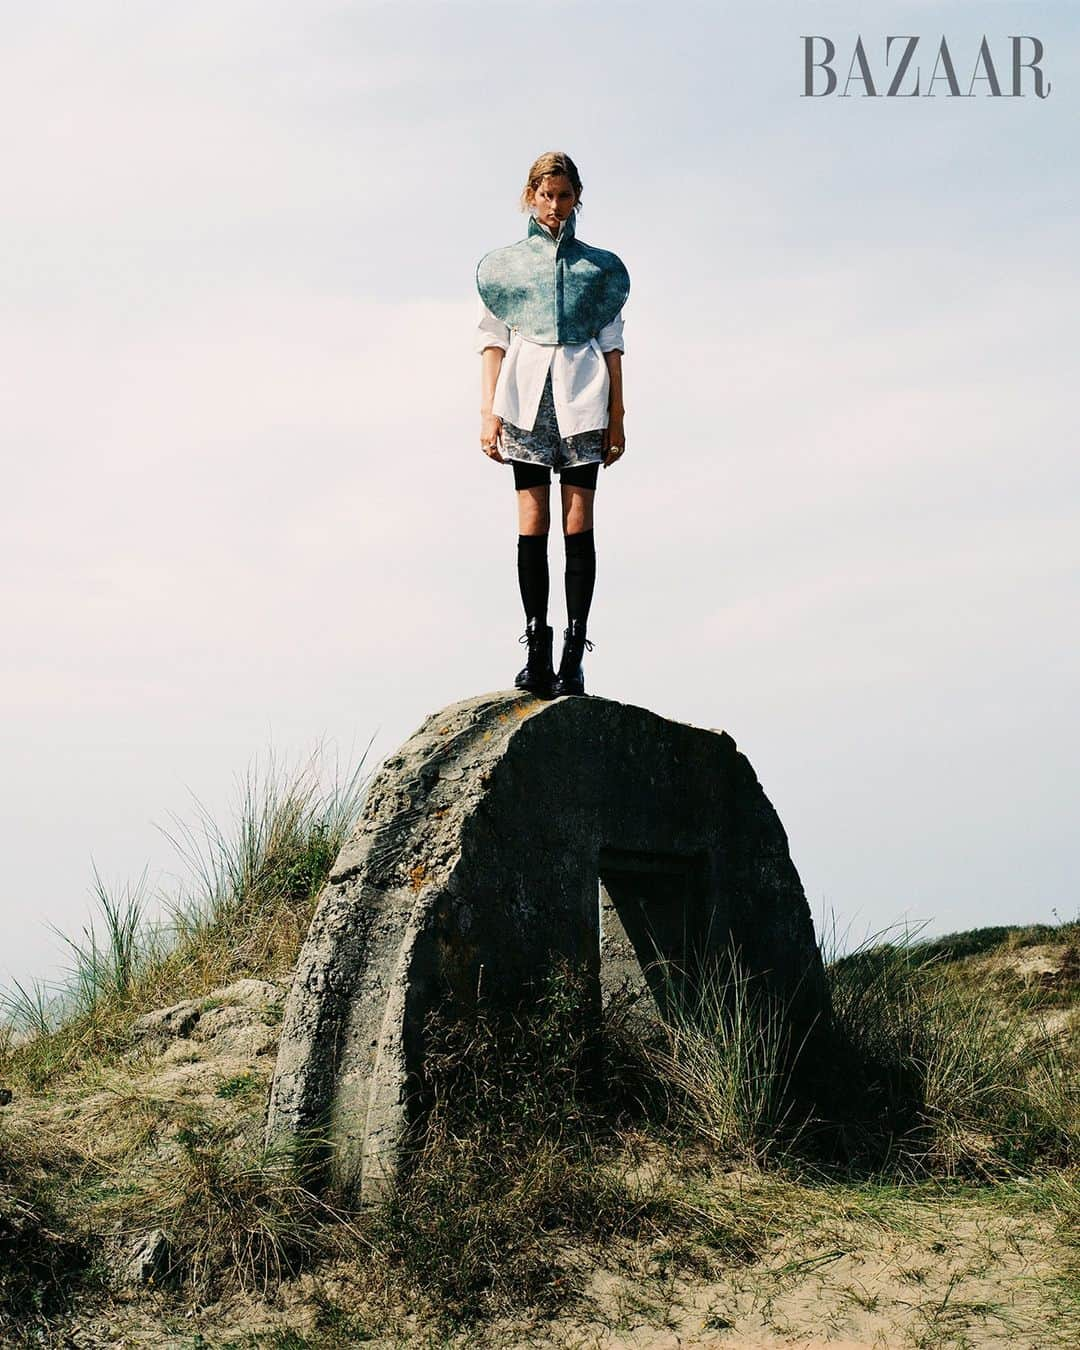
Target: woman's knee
577,509
534,511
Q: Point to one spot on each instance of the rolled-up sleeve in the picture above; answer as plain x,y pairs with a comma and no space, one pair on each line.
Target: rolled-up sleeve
610,337
490,331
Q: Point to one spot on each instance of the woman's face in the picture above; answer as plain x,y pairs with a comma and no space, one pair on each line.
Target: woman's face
553,200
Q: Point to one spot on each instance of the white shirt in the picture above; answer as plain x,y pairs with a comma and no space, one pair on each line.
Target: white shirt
580,383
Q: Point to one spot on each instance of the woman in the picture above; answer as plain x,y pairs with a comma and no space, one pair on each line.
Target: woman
550,338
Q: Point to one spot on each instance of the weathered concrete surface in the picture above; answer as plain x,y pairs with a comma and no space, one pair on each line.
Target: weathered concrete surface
477,861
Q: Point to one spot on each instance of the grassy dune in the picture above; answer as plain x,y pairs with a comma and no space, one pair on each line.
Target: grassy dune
908,1177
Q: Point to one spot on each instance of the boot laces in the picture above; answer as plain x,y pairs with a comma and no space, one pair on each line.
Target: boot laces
567,638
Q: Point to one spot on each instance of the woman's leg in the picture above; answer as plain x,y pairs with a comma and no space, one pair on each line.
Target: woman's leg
534,515
530,453
577,513
534,521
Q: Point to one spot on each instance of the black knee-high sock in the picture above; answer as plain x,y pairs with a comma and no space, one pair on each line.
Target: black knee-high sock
532,561
580,574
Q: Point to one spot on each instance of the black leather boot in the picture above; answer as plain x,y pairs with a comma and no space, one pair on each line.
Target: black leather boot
571,678
537,674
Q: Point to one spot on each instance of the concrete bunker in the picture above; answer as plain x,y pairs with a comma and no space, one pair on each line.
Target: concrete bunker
506,836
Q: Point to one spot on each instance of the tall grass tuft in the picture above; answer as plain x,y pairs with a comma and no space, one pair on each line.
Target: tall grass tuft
106,964
727,1056
285,835
242,912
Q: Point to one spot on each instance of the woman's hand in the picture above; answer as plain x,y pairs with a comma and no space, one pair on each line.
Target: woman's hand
491,436
614,443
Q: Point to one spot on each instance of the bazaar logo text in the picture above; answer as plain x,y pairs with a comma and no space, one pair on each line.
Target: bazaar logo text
901,76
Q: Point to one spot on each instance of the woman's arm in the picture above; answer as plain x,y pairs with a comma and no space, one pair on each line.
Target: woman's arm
491,359
492,340
610,341
614,433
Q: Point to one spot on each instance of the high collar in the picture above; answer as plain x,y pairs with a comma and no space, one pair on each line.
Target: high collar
566,231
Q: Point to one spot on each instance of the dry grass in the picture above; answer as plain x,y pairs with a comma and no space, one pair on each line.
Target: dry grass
532,1153
236,1216
42,1254
935,1077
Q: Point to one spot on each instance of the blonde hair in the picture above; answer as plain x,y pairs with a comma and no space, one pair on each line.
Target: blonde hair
552,162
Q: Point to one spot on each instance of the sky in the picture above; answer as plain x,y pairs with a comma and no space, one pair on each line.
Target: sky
245,512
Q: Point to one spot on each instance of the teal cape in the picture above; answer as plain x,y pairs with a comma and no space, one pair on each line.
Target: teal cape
553,292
